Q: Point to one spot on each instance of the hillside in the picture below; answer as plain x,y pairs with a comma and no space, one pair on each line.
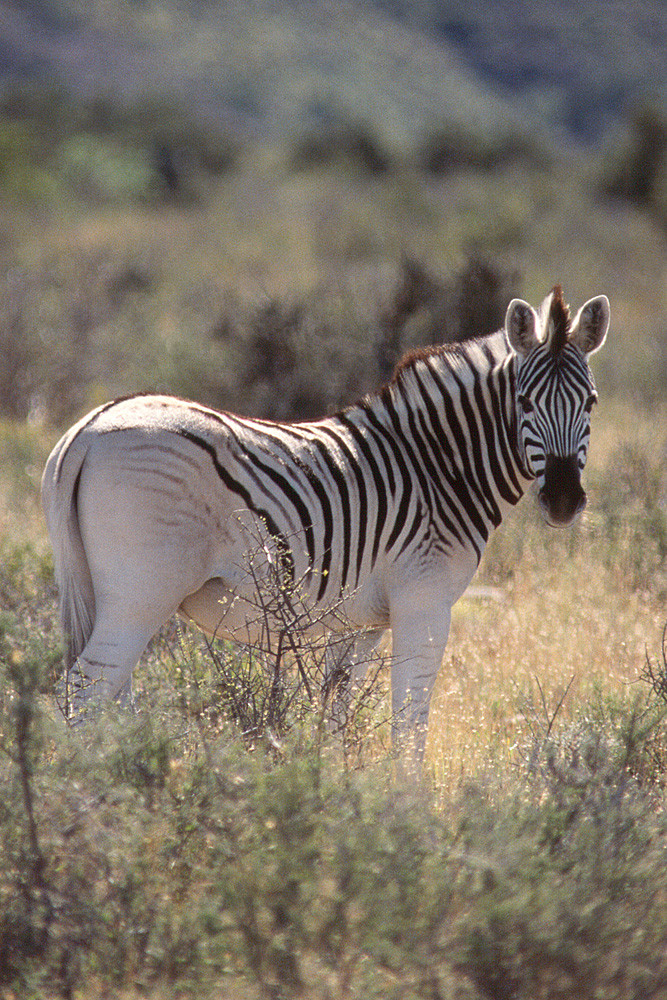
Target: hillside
580,65
276,67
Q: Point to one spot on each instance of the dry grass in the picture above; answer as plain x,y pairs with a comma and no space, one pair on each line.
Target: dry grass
566,623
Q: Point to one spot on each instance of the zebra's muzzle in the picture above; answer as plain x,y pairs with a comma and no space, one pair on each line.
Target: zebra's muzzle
562,496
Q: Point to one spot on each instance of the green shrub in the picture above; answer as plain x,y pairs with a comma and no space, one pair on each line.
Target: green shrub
561,899
159,852
56,149
22,170
101,170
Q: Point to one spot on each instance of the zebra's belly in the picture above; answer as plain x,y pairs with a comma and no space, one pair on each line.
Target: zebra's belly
215,609
245,615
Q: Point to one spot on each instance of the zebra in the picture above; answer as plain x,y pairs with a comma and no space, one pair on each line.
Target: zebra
385,507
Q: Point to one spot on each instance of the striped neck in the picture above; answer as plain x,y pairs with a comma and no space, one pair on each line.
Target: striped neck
454,410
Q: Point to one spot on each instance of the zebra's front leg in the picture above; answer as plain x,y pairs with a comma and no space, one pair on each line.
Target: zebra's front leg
420,619
347,661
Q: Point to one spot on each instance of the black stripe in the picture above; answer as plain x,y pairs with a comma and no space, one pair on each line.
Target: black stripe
488,425
404,503
92,418
380,488
377,435
416,524
361,487
504,390
442,450
319,488
461,439
286,488
341,483
477,468
430,468
285,553
423,482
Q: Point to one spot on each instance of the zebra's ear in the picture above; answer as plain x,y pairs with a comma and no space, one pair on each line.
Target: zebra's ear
590,325
522,325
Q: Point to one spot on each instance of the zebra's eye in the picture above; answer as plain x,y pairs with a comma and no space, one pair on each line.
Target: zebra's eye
525,404
591,401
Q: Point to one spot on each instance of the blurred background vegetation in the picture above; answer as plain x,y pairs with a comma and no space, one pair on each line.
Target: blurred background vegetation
208,197
260,205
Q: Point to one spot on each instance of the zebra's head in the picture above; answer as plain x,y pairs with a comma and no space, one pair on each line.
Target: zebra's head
555,394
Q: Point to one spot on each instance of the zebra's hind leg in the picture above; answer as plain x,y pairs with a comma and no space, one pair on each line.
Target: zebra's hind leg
103,670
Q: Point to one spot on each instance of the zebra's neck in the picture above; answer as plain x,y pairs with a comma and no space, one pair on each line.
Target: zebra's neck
452,411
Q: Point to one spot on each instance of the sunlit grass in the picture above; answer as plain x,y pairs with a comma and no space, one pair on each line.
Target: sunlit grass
553,629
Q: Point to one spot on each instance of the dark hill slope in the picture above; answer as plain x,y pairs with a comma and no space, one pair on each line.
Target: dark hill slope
281,67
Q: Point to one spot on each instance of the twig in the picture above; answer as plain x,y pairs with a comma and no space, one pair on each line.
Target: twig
558,706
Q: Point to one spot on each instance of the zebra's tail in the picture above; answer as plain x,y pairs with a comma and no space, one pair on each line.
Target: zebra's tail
60,483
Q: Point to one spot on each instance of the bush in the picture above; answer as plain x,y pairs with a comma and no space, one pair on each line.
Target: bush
165,853
295,362
639,171
559,899
75,333
54,148
346,144
452,149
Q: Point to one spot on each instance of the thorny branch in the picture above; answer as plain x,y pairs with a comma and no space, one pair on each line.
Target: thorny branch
286,657
656,675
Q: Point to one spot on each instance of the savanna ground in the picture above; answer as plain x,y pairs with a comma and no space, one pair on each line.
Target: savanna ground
186,850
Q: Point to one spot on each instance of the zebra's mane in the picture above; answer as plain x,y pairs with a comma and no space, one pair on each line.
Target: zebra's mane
557,321
493,346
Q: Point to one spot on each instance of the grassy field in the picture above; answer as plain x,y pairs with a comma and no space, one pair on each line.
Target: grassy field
165,854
